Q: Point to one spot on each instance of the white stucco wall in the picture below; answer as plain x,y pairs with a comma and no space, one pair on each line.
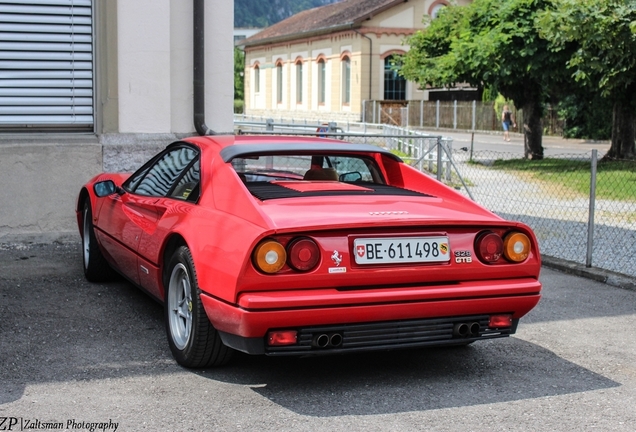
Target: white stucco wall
155,84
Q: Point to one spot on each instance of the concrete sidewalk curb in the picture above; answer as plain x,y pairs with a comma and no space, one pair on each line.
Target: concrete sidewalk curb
599,275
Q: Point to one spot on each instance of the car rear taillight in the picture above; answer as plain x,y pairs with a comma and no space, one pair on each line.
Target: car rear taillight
269,256
489,247
282,337
303,254
516,247
499,321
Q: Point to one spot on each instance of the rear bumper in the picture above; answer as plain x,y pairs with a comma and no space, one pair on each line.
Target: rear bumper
244,326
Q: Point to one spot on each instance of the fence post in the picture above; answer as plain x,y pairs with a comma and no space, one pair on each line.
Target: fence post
422,113
590,222
374,103
437,114
474,113
408,115
439,158
269,125
364,111
455,114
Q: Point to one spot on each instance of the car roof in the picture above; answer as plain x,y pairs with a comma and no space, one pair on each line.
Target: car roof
250,145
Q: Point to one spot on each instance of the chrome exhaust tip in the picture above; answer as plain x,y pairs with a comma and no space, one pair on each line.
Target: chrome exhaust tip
335,340
321,341
461,330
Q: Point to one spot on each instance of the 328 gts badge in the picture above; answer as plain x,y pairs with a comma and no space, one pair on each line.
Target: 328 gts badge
463,256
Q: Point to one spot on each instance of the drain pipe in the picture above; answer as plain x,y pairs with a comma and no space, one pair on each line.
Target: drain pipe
370,61
198,46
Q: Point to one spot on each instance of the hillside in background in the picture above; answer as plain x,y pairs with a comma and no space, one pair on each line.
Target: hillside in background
263,13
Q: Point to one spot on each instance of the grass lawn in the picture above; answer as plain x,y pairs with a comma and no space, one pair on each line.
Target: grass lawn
615,180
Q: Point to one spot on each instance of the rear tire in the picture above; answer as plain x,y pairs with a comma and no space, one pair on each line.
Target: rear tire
194,342
96,268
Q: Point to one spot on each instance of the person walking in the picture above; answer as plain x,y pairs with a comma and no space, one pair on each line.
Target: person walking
507,119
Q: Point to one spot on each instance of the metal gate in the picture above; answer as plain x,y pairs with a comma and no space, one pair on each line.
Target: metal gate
46,65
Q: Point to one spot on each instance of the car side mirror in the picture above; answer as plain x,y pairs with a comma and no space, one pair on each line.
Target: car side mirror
106,187
350,177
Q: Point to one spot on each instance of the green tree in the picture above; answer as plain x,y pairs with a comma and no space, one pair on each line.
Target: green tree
493,44
603,33
239,72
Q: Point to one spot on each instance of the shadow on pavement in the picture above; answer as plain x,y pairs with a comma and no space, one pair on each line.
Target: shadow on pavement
56,327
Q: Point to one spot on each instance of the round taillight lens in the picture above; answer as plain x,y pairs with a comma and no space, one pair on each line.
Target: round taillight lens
516,247
303,254
489,247
269,256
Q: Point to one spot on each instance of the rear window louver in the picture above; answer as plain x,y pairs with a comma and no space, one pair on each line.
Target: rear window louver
266,191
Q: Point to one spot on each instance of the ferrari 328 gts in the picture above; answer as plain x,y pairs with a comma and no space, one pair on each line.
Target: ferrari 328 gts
305,246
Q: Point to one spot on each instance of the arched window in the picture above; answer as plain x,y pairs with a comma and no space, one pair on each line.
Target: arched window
322,80
299,81
257,79
394,84
279,82
346,80
436,7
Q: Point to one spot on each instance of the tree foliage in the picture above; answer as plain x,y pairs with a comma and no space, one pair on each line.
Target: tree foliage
493,44
603,33
239,71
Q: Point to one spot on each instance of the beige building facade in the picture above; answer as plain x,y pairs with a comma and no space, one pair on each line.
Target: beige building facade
327,71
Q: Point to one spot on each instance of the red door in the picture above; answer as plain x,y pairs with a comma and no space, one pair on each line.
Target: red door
122,220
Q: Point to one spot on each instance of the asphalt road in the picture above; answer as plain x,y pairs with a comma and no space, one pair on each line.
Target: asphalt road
96,355
552,145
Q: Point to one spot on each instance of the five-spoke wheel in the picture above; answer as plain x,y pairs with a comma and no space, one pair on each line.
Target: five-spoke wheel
193,340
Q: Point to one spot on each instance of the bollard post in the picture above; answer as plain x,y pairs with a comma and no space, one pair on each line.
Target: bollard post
455,114
437,114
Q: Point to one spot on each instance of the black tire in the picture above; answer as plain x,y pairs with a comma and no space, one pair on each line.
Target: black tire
194,342
96,268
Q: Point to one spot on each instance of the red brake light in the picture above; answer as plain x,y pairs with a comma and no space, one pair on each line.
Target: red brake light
282,337
489,247
303,254
498,321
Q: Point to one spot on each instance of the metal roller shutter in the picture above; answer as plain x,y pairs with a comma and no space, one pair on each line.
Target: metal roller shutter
46,65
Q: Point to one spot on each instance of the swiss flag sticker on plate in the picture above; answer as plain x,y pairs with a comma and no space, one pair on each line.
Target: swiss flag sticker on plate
360,250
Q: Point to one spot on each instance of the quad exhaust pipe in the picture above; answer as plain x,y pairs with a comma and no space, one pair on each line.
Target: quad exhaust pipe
464,330
327,340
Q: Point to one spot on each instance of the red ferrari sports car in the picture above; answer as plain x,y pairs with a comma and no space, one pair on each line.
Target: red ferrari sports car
305,246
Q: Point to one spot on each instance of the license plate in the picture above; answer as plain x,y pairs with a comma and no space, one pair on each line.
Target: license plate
401,250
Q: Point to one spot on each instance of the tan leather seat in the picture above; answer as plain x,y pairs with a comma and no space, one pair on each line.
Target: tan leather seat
321,174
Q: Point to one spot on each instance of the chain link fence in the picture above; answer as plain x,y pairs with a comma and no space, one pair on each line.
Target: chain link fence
580,209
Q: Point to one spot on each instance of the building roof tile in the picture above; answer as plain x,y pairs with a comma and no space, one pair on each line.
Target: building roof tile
320,20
